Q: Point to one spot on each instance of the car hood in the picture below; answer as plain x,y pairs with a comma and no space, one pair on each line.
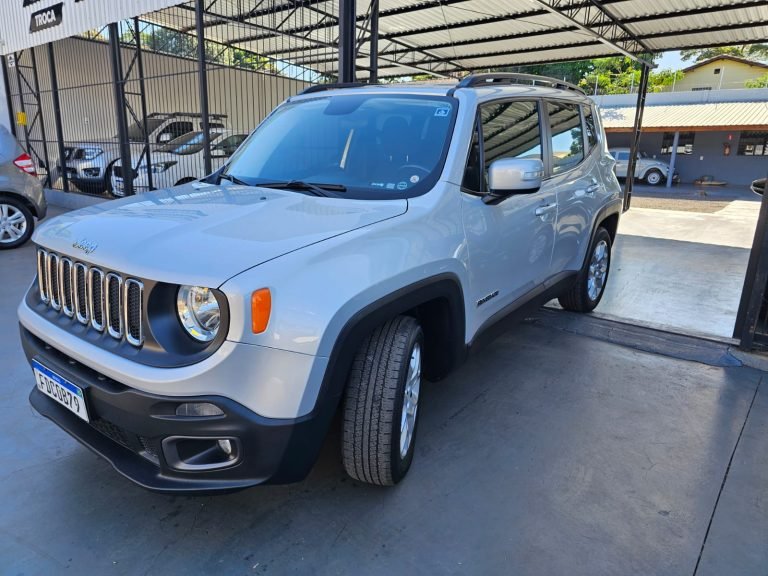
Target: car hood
203,234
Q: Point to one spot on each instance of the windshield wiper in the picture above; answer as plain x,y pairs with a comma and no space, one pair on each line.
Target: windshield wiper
316,189
233,179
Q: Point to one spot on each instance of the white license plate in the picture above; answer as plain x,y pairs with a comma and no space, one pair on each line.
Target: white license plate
119,184
60,389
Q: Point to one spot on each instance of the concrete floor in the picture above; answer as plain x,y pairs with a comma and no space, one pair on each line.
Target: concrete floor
553,451
682,270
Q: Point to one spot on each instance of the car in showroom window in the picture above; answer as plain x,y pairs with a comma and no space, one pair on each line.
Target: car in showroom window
362,146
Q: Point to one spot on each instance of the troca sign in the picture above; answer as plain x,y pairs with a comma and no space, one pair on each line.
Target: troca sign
28,23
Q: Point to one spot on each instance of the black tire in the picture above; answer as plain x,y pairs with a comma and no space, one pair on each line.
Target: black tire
578,298
654,177
15,206
373,404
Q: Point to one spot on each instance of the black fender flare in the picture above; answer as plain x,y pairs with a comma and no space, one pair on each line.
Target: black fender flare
444,287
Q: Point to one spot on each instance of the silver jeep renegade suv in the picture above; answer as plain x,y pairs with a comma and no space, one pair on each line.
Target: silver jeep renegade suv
362,238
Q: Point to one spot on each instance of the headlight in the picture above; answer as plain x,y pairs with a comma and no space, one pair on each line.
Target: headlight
199,312
158,168
91,153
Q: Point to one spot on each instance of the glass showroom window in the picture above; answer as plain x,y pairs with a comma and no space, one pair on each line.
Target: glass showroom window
753,144
684,144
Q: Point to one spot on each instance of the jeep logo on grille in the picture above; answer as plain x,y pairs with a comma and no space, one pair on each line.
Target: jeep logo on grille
85,245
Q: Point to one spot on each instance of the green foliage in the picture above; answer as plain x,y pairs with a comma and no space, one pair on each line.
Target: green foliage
175,43
614,75
749,51
761,82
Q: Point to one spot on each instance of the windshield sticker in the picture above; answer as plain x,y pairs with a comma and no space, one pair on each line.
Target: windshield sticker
442,112
414,179
402,185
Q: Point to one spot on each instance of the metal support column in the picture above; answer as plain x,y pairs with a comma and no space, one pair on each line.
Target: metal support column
751,319
374,43
62,165
347,45
143,100
673,159
22,107
642,90
118,83
203,81
36,79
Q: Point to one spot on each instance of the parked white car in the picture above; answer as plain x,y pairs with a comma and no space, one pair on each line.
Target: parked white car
178,162
202,338
650,170
89,164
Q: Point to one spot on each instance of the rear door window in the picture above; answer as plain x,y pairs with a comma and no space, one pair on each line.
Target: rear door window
589,125
567,138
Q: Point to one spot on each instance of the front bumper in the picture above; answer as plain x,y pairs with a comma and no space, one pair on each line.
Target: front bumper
127,428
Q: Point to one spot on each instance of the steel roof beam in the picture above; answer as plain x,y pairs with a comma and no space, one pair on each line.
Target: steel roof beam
591,21
533,49
528,34
634,20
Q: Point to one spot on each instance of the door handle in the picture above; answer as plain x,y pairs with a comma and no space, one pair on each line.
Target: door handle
592,189
546,209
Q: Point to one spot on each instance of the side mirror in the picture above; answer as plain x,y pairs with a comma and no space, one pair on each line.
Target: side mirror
508,176
166,137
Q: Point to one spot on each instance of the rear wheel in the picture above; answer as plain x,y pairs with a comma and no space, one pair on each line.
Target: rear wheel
586,292
16,223
381,403
654,177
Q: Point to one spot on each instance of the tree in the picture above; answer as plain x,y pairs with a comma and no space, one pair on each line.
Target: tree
748,51
761,82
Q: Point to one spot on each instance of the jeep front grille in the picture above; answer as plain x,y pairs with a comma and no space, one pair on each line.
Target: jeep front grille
103,301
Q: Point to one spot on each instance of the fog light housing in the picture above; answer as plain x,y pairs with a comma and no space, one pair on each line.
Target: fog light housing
198,454
92,172
198,409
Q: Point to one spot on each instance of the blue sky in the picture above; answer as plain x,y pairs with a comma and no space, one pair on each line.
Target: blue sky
671,60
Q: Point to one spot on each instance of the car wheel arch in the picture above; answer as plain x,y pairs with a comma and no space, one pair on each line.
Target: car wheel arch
26,201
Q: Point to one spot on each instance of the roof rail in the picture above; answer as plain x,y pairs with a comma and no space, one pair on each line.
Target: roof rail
333,86
475,80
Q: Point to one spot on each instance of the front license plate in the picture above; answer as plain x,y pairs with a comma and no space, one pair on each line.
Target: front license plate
60,389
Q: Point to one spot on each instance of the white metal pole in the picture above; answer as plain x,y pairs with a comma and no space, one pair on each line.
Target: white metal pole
673,159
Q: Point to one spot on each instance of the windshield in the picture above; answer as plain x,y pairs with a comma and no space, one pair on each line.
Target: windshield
376,146
135,133
190,143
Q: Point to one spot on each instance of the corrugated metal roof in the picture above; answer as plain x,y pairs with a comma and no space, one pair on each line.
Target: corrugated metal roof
689,116
452,37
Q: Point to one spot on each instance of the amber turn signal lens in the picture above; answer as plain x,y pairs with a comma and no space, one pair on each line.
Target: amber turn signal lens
261,307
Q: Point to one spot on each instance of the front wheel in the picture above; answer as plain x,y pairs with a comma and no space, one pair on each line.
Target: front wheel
654,177
381,403
586,292
16,223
